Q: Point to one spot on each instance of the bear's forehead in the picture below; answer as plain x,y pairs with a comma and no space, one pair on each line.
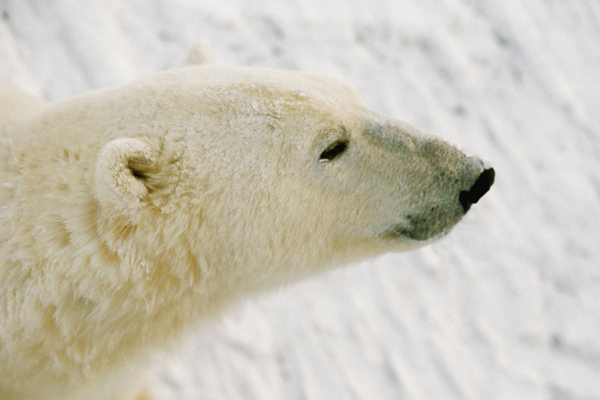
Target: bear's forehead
255,83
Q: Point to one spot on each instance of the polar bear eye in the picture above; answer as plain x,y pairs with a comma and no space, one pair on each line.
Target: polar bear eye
334,150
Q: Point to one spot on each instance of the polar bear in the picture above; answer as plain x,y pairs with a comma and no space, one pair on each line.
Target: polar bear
130,214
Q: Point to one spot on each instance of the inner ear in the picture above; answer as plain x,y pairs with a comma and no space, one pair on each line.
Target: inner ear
142,165
122,171
137,173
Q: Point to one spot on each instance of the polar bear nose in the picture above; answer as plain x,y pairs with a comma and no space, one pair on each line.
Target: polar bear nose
479,188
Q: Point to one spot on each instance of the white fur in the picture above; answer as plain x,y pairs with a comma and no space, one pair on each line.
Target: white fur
130,214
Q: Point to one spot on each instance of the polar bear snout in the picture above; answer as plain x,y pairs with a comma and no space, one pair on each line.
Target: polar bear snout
481,186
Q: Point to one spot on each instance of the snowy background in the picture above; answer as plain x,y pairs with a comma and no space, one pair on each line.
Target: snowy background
507,306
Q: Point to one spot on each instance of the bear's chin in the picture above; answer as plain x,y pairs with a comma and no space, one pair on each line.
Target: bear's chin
415,234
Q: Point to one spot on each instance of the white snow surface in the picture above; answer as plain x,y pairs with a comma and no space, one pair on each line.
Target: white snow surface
507,306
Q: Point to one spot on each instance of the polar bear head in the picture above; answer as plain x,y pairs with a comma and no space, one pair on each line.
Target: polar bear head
260,176
137,211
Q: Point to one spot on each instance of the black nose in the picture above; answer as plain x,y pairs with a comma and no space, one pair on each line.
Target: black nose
479,188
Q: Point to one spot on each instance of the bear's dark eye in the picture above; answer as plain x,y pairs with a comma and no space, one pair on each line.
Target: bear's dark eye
334,150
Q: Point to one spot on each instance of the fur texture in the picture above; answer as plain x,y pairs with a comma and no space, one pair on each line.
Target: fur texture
130,214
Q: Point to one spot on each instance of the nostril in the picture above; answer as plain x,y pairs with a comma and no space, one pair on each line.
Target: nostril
479,188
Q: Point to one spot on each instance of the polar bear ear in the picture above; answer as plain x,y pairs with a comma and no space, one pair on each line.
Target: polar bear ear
122,170
199,54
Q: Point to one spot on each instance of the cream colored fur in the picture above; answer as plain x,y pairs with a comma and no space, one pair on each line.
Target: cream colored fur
130,214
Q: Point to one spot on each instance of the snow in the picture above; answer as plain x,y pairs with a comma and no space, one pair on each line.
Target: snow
507,306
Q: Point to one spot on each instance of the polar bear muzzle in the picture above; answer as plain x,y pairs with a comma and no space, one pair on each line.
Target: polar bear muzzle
434,223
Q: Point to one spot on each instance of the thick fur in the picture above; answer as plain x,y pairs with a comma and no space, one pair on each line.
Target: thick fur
130,214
